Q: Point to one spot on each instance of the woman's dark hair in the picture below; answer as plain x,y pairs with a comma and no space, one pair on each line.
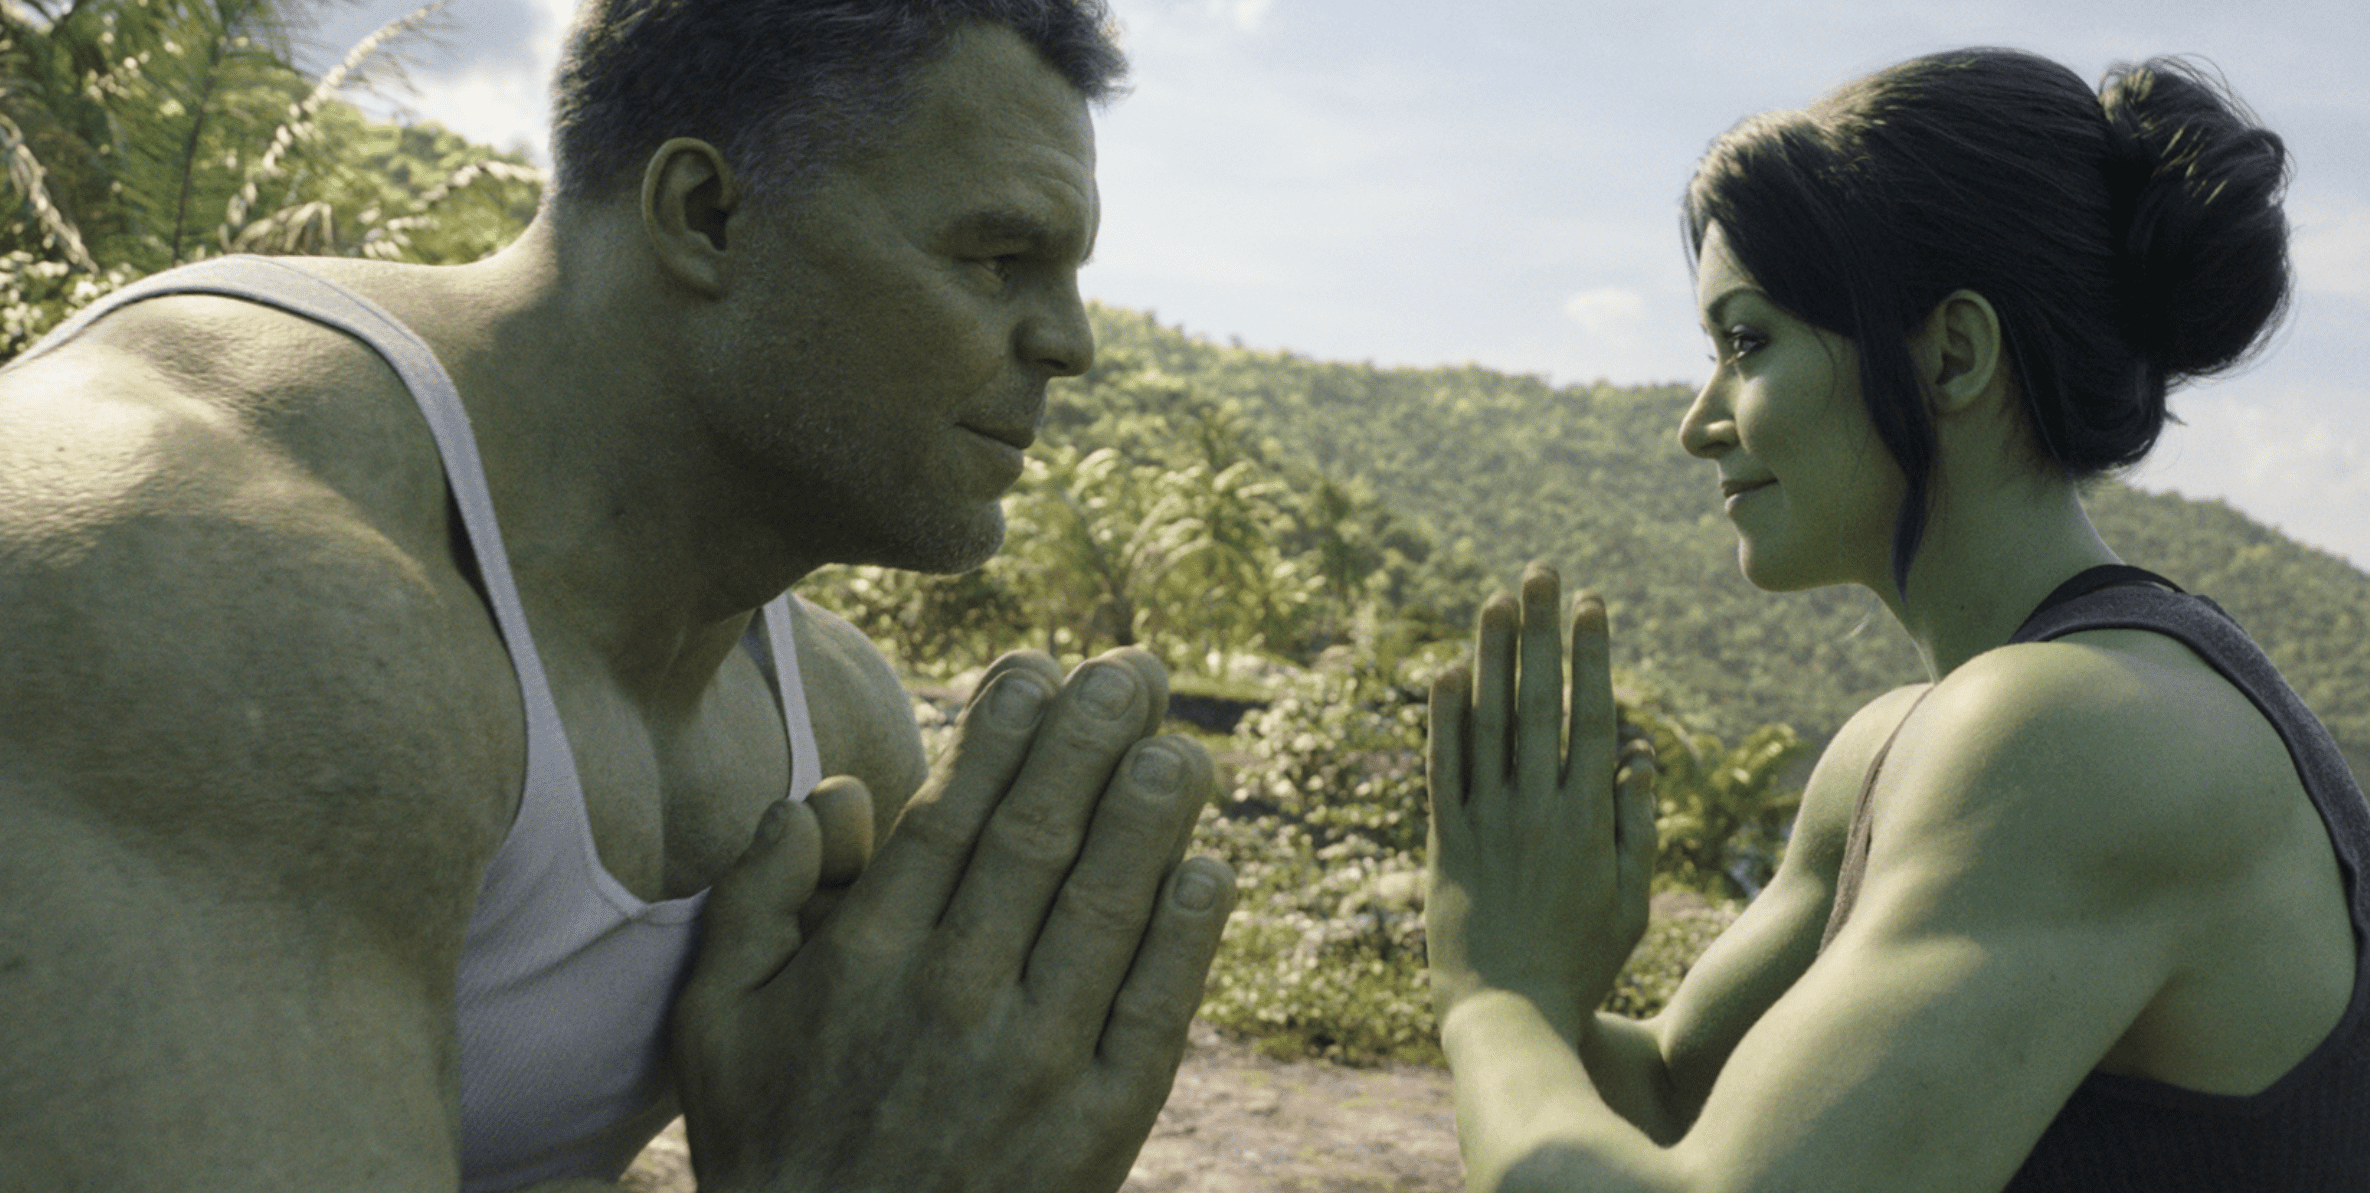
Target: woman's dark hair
778,86
2127,239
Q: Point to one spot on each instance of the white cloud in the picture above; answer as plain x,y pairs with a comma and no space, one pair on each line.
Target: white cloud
504,108
1195,24
1245,14
2331,246
499,100
1606,312
2290,466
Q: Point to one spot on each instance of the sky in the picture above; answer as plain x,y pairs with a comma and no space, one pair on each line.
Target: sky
1410,182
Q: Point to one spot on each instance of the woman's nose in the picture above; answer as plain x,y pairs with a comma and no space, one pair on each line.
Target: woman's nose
1709,429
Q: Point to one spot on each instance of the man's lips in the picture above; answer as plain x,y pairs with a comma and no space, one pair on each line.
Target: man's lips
1019,437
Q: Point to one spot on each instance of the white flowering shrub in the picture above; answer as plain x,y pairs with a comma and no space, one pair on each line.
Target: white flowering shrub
1325,829
37,294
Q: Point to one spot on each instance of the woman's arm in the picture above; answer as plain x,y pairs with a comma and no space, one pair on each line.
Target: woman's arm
2021,909
1656,1072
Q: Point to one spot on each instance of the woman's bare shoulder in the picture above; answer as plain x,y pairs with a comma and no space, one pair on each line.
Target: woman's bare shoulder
1833,790
2120,741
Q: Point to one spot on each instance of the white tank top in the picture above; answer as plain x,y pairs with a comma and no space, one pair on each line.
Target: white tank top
566,978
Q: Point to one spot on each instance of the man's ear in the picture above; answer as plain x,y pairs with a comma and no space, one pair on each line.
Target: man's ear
688,195
1959,351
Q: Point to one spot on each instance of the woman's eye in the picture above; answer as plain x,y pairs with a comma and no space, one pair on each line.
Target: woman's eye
1740,342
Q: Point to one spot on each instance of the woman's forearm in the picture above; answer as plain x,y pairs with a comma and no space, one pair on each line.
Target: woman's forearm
1625,1062
1529,1116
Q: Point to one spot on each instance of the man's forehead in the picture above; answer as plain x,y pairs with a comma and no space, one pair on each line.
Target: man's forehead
989,78
996,142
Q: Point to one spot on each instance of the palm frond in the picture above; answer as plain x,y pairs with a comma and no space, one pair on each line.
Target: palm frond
26,175
308,228
185,81
301,115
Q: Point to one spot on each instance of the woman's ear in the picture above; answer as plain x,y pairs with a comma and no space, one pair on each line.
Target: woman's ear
1959,352
688,196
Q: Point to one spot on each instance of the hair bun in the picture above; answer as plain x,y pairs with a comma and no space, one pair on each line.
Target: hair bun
2194,188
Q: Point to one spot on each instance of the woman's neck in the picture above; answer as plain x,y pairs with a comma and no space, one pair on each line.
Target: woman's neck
1987,561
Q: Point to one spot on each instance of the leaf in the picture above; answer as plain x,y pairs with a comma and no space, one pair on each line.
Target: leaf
301,115
27,176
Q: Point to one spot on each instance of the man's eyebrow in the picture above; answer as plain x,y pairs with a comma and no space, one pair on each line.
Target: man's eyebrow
1004,224
1012,224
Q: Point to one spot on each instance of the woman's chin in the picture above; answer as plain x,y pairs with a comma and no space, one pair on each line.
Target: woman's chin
1772,571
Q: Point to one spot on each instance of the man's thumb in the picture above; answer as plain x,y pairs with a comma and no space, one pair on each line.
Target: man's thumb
749,928
843,807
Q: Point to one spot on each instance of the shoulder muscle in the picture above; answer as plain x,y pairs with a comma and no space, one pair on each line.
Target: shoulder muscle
2033,873
253,755
863,718
2113,768
205,640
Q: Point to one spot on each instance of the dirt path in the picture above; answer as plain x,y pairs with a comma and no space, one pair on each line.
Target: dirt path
1238,1122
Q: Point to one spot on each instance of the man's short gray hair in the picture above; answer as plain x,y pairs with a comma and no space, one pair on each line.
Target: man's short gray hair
778,86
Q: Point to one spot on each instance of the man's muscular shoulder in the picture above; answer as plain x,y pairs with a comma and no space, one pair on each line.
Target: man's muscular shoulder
863,718
226,632
256,740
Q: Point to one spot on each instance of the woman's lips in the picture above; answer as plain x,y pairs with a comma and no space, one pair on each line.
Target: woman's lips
1736,490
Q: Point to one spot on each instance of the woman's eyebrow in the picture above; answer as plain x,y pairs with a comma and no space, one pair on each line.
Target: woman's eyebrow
1711,311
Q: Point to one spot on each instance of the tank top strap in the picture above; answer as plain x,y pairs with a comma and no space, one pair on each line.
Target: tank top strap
285,287
1855,850
2085,582
806,768
1855,846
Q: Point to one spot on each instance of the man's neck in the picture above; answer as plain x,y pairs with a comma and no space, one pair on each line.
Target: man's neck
634,548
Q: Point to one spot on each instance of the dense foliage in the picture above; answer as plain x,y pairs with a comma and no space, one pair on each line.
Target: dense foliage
1325,825
1320,532
1591,478
1151,514
141,134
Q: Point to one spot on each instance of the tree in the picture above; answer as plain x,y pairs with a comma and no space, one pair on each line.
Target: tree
141,134
1720,817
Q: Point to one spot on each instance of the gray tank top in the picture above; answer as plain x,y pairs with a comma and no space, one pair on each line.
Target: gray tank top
566,978
2309,1131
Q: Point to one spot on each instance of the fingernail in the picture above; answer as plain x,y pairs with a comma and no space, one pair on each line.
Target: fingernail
770,825
1155,769
1106,690
1196,890
1018,702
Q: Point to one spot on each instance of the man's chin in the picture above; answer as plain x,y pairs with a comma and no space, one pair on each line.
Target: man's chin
949,549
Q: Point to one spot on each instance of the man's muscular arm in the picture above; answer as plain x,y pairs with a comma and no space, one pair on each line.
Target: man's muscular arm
248,782
254,756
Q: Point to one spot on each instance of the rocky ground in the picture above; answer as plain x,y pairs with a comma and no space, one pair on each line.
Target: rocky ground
1239,1122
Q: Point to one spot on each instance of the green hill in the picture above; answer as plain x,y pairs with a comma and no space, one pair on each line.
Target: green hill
1591,478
